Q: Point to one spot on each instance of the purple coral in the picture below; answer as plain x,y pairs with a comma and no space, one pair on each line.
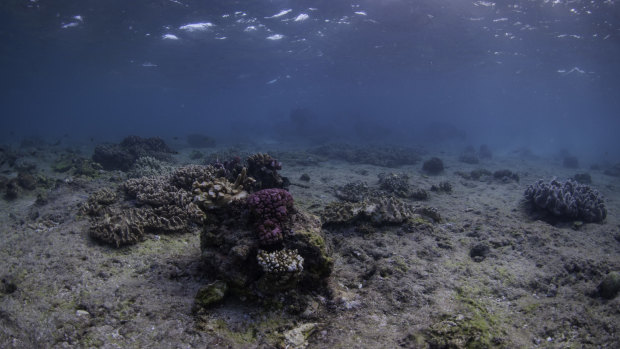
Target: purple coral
272,209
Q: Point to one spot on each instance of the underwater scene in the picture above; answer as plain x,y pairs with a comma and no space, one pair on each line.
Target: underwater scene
310,174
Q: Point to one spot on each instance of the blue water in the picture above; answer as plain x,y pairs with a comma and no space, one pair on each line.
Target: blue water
543,74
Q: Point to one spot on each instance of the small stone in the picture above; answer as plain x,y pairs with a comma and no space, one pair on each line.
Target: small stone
610,286
81,312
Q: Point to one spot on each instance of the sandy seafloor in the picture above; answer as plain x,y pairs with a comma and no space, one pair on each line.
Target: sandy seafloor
390,289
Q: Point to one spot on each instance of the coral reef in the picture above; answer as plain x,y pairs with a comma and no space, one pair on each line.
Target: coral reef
397,184
433,166
119,228
97,202
122,156
271,210
230,245
353,192
255,245
567,200
148,166
165,204
380,156
219,192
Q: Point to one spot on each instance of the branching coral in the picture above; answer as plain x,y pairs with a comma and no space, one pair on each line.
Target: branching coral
568,199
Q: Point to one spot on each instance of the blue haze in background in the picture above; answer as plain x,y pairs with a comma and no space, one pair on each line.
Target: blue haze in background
543,74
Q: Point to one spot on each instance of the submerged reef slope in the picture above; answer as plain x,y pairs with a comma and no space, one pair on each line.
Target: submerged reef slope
347,256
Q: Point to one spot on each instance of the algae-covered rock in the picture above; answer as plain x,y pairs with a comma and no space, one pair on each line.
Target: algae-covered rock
610,286
211,294
297,337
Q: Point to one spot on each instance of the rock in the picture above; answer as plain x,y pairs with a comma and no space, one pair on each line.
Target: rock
479,252
211,294
305,177
433,166
610,286
298,336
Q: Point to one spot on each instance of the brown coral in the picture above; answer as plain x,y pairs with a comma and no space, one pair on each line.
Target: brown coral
119,228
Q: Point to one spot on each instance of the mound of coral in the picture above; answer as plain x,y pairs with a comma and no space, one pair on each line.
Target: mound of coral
264,245
567,200
123,155
253,239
